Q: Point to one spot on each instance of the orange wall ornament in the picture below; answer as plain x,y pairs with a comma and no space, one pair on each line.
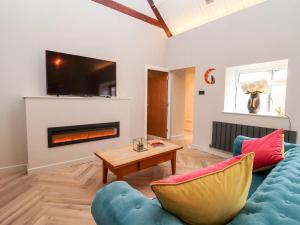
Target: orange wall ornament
212,79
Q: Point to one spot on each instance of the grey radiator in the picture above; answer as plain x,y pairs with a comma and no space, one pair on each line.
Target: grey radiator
223,134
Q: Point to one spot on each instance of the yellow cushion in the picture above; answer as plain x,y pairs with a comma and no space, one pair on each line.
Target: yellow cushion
210,196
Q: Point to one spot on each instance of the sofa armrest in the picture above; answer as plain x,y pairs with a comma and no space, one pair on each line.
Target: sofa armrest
120,204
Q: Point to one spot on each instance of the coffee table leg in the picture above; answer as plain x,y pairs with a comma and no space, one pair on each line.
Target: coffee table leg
104,173
173,163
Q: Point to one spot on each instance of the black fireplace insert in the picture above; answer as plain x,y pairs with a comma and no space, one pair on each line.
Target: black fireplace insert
59,136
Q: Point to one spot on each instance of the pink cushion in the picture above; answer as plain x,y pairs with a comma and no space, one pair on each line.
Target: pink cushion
269,150
200,172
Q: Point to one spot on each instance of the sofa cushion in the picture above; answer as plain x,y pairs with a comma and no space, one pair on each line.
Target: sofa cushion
238,143
120,204
212,195
269,150
277,200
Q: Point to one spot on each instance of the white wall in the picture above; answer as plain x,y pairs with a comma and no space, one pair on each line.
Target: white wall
79,27
267,32
182,100
189,99
177,102
41,113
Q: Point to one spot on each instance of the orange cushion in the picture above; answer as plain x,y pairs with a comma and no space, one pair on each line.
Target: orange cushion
269,150
209,196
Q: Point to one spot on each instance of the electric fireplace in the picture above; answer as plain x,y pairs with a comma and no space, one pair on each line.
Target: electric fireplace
59,136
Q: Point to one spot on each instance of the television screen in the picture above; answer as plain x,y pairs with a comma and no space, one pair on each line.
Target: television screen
76,75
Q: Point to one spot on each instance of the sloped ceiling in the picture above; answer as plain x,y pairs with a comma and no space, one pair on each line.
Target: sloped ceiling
183,15
179,15
141,6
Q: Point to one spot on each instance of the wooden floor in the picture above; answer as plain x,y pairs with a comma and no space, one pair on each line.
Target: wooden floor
64,196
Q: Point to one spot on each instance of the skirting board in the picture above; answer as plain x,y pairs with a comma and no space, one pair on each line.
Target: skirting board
48,167
212,151
14,168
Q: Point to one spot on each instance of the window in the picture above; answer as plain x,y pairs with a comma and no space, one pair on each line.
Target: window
272,102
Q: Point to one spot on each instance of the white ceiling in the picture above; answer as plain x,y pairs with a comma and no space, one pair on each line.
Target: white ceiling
141,6
183,15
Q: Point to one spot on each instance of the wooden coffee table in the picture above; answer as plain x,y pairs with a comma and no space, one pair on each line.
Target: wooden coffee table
123,161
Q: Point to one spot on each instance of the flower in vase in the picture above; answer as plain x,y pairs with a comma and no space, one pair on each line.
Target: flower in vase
259,86
254,89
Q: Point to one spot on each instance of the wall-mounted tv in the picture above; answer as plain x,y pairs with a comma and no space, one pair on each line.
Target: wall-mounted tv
76,75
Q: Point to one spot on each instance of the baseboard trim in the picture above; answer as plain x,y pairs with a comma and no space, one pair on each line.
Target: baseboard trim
14,168
51,166
212,151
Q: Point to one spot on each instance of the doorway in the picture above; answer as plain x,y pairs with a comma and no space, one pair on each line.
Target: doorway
182,102
157,103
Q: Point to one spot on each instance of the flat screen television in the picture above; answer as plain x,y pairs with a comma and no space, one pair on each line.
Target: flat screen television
81,76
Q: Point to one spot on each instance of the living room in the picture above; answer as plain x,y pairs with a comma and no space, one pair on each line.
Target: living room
245,61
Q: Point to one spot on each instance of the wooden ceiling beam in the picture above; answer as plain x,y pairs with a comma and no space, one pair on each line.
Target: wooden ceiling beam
159,18
130,12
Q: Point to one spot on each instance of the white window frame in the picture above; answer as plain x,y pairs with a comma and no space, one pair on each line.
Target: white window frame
232,83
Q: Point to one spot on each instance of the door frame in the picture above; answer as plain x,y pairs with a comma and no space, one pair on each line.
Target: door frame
161,69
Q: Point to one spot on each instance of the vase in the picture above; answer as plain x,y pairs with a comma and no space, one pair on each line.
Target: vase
254,103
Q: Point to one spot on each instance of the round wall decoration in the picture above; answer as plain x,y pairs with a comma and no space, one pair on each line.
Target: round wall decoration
212,79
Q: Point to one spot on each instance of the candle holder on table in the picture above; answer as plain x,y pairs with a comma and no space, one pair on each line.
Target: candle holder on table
140,145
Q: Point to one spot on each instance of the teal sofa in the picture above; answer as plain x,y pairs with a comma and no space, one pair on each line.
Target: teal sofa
274,198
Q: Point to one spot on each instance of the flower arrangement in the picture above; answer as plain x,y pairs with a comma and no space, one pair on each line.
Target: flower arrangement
255,87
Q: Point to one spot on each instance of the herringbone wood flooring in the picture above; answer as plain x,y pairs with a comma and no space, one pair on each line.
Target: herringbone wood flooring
64,196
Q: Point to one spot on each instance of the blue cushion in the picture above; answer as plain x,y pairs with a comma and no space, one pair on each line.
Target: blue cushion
238,143
288,146
277,200
120,204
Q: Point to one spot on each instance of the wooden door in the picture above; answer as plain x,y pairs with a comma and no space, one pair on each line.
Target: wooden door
157,103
